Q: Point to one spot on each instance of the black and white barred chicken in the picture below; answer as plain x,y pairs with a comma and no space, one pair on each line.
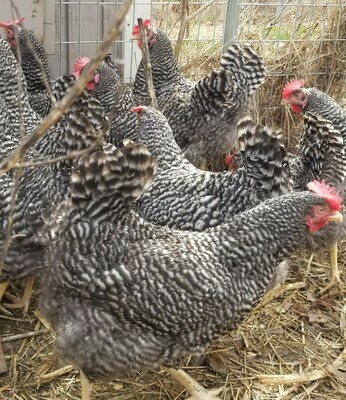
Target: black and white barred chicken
203,115
34,63
321,156
184,197
301,100
124,295
15,122
117,99
42,187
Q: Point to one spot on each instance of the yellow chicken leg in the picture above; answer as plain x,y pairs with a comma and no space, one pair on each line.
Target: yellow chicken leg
86,387
197,391
335,277
25,300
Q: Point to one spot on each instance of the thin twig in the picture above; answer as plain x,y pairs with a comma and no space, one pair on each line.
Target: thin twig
313,375
184,20
23,336
69,99
147,65
3,364
68,156
57,373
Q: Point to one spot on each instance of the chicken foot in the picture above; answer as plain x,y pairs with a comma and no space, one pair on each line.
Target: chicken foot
86,386
335,277
24,302
197,391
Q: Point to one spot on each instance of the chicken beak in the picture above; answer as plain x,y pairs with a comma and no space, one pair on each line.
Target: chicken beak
336,217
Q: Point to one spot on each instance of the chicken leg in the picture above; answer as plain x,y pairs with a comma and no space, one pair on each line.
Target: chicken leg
197,391
24,302
86,386
335,277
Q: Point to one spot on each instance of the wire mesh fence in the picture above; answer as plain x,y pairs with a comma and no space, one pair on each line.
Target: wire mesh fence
303,38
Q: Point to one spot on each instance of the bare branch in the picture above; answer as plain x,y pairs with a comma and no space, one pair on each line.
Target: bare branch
68,156
68,100
183,23
3,364
147,65
185,19
204,7
23,336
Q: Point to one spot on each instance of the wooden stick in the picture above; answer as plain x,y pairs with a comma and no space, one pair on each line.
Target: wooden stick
69,99
184,21
313,375
23,336
147,65
57,373
3,364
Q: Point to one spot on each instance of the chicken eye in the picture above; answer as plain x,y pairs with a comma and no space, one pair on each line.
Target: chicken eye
320,210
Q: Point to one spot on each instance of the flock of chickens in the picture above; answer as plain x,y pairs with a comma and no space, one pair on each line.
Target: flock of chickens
143,257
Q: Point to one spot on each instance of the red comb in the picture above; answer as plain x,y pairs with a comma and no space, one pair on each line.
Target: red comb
11,22
291,86
135,30
79,64
228,160
138,109
327,193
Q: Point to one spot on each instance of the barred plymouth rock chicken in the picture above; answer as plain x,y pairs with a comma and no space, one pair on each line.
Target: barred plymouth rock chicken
117,99
202,115
34,62
11,94
106,79
302,99
122,299
42,187
321,156
184,197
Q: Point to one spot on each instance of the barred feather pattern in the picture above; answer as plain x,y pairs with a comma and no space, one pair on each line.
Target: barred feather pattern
32,52
18,106
203,115
184,197
106,88
321,154
321,104
117,99
116,177
30,47
124,295
42,188
82,124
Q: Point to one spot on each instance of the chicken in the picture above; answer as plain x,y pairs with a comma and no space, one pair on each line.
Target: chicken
106,79
123,297
34,62
302,100
184,197
321,156
203,115
42,187
117,100
10,93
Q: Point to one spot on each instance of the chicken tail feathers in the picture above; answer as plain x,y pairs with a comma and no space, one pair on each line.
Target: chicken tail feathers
106,182
264,159
247,67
